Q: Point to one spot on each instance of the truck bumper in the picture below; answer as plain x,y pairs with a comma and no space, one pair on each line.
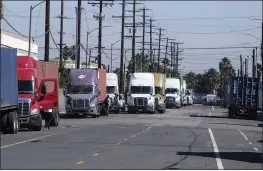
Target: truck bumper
173,104
140,108
160,107
88,111
31,121
114,107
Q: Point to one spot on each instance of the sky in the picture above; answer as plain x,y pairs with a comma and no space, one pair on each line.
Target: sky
198,24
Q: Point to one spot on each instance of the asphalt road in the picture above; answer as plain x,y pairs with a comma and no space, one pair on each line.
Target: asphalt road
193,137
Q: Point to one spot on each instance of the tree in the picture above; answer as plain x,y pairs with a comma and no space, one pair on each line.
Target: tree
190,79
211,77
69,52
226,70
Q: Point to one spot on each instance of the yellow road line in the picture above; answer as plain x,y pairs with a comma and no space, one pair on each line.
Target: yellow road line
80,162
96,154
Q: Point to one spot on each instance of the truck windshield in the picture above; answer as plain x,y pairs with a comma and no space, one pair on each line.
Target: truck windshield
141,90
111,89
158,90
171,91
25,86
82,89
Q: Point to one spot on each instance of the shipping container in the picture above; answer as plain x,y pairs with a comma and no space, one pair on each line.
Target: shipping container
102,84
9,91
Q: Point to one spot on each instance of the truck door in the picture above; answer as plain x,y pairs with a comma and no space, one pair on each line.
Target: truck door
48,92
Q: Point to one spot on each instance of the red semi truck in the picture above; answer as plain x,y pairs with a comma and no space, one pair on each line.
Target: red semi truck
37,92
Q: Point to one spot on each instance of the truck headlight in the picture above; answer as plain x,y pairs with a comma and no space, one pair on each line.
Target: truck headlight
92,105
34,112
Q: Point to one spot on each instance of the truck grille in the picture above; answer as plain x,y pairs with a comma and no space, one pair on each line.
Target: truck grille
80,104
23,109
139,101
170,99
156,101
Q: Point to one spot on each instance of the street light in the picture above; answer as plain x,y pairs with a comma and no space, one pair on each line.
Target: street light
111,53
88,33
30,22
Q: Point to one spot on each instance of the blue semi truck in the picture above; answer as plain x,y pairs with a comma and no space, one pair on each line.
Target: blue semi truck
8,91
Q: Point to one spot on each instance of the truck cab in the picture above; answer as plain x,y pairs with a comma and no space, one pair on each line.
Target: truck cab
83,93
189,96
34,97
159,83
141,93
172,93
113,92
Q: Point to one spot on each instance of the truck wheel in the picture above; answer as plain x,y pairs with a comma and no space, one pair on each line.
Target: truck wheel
12,123
55,119
39,126
4,124
117,111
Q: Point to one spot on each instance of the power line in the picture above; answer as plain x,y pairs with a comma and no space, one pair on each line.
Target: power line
232,31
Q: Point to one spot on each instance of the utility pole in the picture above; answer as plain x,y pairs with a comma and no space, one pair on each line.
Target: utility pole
61,34
159,49
241,66
171,59
122,68
166,51
100,17
177,56
47,30
262,59
151,41
79,33
87,48
133,38
253,65
143,32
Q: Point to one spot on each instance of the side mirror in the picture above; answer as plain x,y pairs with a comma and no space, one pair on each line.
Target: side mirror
35,94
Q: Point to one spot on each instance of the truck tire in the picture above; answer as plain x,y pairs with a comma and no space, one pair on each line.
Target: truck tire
4,124
39,126
12,123
55,118
118,110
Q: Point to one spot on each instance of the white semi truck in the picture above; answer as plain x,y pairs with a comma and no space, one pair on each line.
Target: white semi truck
141,93
173,93
113,91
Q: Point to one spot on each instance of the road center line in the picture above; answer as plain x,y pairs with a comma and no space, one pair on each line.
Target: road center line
243,134
255,149
80,162
22,142
218,160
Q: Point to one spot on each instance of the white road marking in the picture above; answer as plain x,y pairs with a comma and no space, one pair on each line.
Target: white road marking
255,149
22,142
243,134
250,143
218,160
213,108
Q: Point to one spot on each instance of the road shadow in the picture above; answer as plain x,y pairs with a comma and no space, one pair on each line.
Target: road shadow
235,124
260,125
237,118
204,116
260,141
250,157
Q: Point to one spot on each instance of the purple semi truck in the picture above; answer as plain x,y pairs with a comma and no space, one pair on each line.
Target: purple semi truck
86,92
